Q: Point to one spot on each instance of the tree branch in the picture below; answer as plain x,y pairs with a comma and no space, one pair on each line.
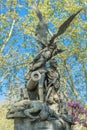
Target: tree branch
4,77
85,73
10,33
71,79
51,34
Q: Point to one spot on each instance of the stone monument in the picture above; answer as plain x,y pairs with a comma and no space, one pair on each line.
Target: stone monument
42,105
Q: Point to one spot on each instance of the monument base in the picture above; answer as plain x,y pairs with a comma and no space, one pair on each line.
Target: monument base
25,124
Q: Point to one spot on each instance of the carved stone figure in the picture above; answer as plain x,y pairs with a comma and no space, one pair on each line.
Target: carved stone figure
39,64
52,82
32,109
42,102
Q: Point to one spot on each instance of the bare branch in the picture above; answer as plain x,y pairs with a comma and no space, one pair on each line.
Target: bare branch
10,33
51,34
71,79
4,77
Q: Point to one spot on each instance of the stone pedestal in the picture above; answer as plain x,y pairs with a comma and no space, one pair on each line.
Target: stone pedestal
25,124
36,115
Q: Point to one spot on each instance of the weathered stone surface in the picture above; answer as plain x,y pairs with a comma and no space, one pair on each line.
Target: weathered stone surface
42,105
25,124
28,108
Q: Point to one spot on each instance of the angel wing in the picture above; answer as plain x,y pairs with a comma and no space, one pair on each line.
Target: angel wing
64,26
42,27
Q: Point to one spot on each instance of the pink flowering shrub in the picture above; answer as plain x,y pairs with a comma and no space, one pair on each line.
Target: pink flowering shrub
78,112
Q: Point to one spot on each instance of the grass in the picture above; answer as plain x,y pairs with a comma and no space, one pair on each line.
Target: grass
84,129
4,123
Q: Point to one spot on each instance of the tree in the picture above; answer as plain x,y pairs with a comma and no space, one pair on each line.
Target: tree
19,43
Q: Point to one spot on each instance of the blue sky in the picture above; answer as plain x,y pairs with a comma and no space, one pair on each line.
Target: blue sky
19,41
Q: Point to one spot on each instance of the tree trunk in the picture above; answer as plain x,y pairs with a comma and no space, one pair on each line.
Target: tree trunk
71,79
